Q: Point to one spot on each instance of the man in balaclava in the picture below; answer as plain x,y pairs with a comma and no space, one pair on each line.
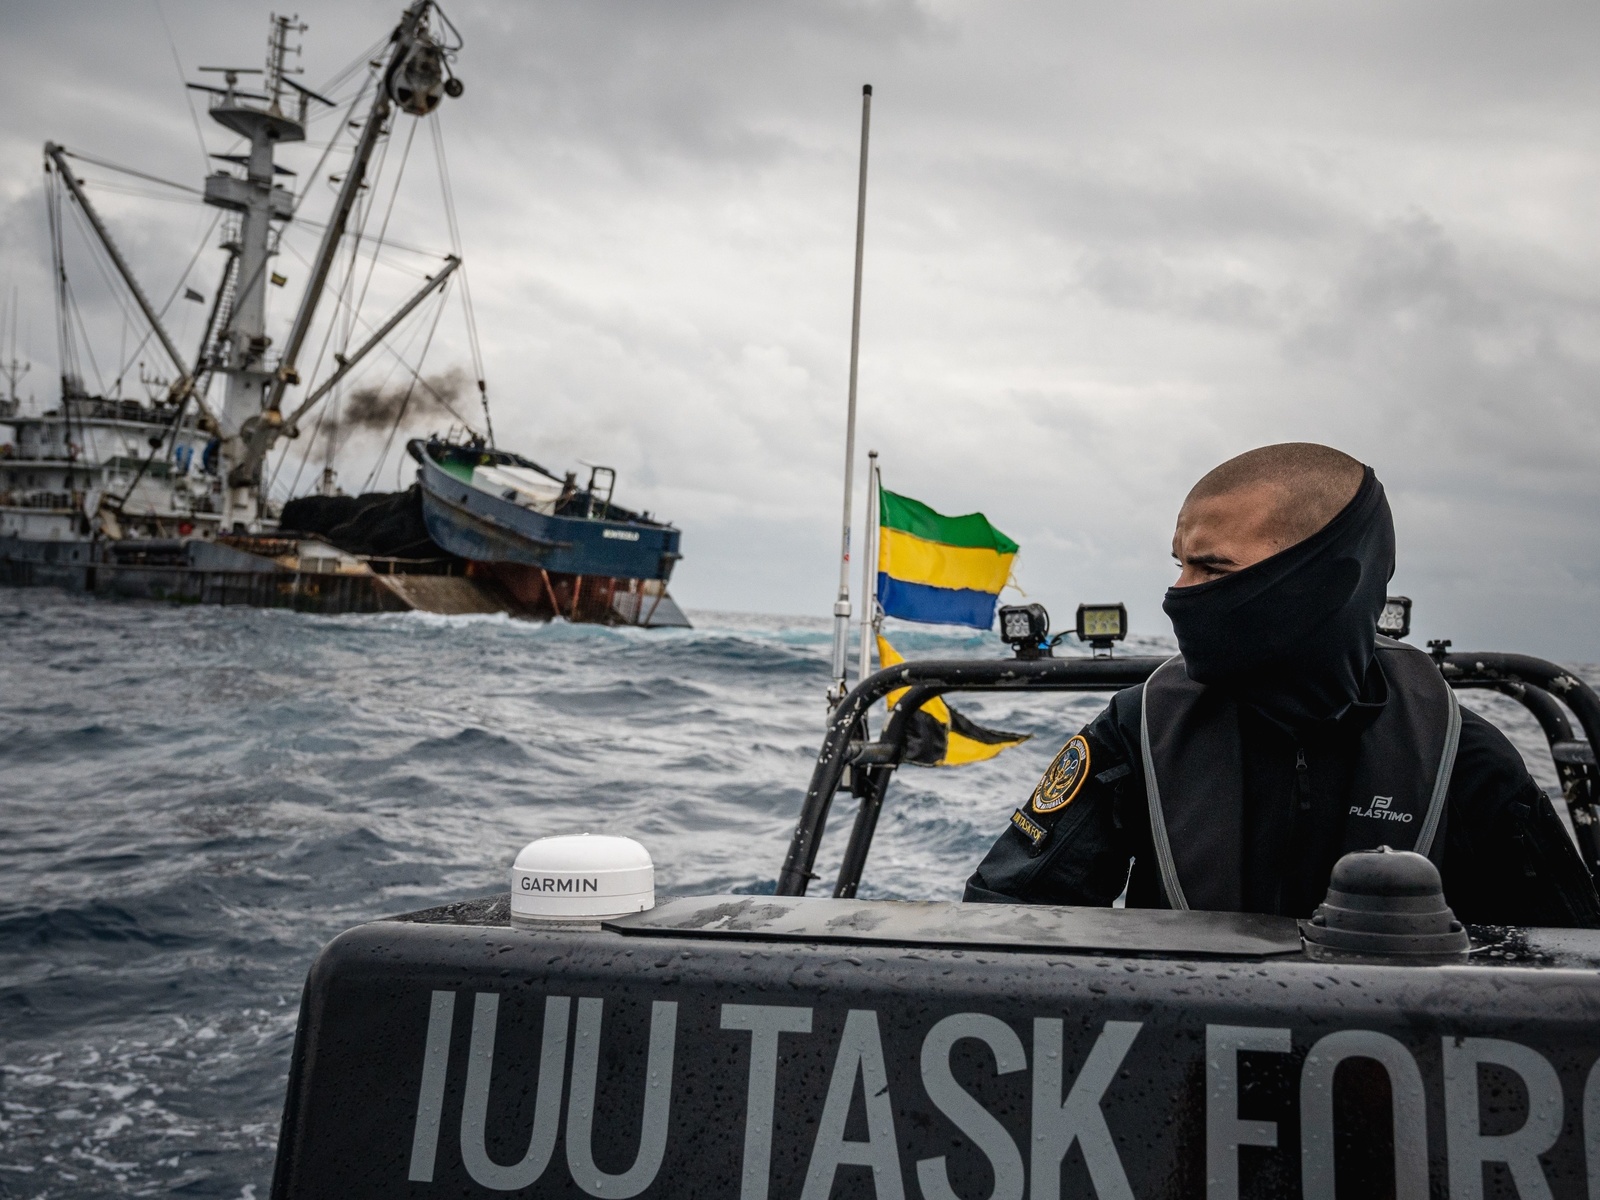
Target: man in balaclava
1287,733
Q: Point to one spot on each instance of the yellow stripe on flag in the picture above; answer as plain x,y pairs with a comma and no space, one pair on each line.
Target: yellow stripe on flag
962,750
912,559
888,656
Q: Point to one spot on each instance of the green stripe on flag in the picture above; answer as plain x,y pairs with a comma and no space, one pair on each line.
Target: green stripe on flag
917,519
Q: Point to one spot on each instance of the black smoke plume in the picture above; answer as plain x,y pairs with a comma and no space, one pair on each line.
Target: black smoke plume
403,405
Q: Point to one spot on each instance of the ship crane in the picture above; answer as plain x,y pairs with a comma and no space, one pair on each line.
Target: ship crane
183,387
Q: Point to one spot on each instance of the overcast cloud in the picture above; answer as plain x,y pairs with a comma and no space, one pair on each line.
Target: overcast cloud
1108,246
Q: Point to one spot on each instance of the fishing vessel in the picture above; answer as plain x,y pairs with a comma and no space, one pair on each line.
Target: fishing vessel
189,492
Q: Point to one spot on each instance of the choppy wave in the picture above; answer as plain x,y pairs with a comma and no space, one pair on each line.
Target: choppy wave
197,799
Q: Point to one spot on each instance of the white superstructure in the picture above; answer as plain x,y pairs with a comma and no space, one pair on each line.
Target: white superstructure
60,465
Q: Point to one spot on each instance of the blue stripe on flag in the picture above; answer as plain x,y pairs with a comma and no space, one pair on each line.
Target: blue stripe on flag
935,605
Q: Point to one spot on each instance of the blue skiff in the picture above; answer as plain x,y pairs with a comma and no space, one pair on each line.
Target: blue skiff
582,534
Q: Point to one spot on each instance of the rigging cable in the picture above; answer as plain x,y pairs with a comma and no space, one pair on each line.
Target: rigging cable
394,193
437,395
311,179
83,331
352,312
197,385
416,378
205,240
355,235
74,312
381,387
304,458
333,410
122,170
70,368
455,248
400,361
341,309
99,255
119,189
188,95
316,171
344,73
95,252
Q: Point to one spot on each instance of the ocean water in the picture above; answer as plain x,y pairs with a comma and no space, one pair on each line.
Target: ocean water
194,800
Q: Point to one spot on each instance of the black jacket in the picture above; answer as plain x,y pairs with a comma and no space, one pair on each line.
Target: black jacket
1507,857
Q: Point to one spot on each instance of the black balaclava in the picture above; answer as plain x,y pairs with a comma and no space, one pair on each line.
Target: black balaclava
1293,635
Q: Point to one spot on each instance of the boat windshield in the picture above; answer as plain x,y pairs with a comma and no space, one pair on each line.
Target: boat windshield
519,485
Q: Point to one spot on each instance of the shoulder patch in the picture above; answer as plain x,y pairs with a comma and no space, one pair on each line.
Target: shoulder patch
1028,828
1062,778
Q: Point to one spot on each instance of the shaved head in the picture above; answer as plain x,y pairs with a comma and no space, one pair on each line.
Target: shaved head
1259,503
1314,483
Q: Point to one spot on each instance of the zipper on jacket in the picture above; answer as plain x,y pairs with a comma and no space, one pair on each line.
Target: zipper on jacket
1296,823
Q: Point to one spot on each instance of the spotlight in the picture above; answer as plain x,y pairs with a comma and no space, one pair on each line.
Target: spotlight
1395,619
1026,629
1102,624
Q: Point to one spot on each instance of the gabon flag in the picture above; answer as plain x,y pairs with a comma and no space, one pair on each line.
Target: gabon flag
937,569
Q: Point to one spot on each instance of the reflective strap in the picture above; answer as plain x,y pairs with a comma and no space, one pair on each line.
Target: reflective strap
1441,780
1158,820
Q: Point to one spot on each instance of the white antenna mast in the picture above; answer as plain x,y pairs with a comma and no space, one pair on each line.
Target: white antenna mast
841,607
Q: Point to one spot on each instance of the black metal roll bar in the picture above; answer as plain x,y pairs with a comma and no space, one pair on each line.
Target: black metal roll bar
1533,682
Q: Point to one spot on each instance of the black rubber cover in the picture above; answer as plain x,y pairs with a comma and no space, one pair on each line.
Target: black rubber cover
1389,904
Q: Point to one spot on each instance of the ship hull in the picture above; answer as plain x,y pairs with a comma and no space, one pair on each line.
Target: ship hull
198,571
189,571
475,525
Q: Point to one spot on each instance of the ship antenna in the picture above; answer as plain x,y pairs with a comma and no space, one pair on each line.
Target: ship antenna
12,368
278,49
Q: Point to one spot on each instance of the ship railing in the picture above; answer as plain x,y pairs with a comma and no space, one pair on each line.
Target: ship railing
1548,691
99,408
61,501
437,565
131,467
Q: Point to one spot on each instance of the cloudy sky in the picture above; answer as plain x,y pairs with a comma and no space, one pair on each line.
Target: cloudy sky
1108,246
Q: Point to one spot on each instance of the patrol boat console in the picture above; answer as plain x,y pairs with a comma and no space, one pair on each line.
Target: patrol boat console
777,1047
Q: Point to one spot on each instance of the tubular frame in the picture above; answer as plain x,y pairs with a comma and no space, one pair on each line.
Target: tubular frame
1540,686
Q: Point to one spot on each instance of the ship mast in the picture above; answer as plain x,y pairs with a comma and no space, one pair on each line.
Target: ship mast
259,201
